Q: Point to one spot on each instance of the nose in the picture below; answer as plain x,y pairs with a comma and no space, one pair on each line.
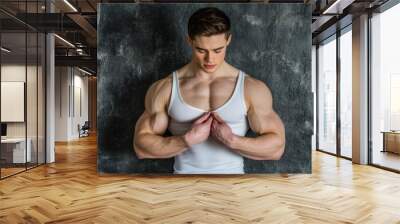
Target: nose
208,57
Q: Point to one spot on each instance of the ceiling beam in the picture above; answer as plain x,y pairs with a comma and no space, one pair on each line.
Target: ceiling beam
337,7
84,61
86,26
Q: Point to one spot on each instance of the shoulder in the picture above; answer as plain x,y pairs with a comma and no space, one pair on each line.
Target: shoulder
161,86
159,93
255,88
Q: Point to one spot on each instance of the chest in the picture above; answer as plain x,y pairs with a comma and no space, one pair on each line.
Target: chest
207,95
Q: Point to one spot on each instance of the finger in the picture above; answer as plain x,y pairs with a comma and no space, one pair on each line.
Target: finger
215,123
216,127
217,117
213,134
202,118
209,121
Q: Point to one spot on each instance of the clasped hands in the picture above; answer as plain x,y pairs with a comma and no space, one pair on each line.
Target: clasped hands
209,124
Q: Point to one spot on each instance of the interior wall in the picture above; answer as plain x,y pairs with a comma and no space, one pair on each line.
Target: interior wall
16,72
61,103
33,126
92,96
71,102
80,109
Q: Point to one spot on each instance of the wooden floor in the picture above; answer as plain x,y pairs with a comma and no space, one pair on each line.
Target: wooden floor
70,191
5,172
387,159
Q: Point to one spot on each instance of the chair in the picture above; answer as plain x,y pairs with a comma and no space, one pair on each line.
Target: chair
84,130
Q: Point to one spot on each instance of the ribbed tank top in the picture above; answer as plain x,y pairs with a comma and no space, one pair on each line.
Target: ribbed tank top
210,156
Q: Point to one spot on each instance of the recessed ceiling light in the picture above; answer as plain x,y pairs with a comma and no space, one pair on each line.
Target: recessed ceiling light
84,71
70,5
337,7
5,49
64,40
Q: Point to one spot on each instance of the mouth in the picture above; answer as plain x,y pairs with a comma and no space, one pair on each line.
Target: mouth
209,66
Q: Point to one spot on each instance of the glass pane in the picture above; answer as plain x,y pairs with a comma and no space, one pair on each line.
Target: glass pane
346,94
31,86
386,88
23,88
327,96
14,153
31,100
41,98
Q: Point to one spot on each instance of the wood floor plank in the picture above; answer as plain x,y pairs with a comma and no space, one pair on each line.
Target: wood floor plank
71,191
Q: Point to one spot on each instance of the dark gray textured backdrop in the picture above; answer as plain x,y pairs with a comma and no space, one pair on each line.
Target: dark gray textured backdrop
141,43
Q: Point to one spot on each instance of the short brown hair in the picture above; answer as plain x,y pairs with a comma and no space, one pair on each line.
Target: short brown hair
208,21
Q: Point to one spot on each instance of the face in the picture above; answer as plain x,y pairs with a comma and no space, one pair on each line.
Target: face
209,52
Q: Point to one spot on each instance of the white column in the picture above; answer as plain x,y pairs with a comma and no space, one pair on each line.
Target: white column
360,90
314,91
50,93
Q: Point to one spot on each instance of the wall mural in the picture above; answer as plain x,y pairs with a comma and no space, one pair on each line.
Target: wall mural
141,44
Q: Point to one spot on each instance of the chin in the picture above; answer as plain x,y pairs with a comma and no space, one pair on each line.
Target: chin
210,70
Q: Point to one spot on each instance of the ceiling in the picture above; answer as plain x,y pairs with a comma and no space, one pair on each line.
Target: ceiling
77,23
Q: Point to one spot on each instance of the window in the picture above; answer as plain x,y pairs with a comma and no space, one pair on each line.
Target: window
385,88
327,95
22,78
346,93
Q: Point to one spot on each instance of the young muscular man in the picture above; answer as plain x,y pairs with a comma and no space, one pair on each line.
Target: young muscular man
208,106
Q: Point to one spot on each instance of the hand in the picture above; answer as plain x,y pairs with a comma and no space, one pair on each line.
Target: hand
200,130
221,131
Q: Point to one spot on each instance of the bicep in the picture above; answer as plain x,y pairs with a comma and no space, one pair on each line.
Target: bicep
152,123
262,122
261,116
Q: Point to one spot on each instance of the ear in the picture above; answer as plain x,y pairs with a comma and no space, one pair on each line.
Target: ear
189,40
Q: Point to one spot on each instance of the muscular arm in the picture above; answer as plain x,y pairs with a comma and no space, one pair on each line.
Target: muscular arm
152,124
270,142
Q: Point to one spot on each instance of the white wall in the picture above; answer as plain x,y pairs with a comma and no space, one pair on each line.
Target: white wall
61,103
70,83
12,73
33,127
16,73
81,104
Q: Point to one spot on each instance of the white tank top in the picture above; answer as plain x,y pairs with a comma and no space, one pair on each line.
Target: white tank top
210,156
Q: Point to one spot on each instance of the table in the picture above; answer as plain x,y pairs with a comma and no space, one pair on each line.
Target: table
391,141
13,150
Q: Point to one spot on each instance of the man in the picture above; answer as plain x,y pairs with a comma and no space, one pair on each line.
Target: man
208,106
